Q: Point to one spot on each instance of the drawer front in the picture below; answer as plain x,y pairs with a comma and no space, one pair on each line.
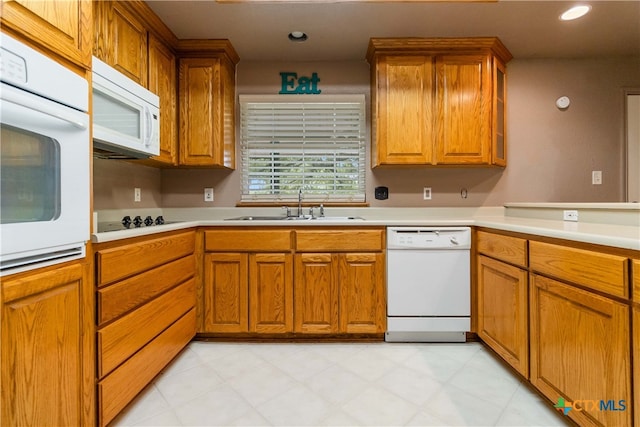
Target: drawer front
122,338
505,248
124,296
125,261
339,240
636,283
122,385
599,271
248,241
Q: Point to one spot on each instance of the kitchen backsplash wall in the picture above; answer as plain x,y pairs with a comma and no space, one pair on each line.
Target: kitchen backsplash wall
551,153
114,182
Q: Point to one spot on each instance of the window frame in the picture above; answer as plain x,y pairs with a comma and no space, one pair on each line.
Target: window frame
354,132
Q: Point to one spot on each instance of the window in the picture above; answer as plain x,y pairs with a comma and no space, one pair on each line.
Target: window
314,143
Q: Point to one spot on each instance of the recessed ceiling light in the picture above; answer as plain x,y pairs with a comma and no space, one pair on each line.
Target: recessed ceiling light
297,36
575,12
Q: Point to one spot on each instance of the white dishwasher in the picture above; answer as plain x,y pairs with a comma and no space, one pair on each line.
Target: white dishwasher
428,284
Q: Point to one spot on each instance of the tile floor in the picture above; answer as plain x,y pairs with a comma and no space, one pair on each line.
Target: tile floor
336,384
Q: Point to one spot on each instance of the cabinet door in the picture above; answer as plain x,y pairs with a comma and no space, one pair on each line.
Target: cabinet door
225,293
463,109
316,293
499,138
121,40
362,293
404,115
580,350
207,90
636,357
163,82
271,292
42,350
502,311
63,26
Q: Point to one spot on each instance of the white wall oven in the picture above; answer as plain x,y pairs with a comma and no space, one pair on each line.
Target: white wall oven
44,160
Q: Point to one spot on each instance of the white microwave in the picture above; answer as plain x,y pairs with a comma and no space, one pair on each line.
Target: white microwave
126,116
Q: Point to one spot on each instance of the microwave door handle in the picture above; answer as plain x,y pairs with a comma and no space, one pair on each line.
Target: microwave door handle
30,103
148,130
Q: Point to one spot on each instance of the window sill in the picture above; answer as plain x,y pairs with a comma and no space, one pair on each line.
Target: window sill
305,204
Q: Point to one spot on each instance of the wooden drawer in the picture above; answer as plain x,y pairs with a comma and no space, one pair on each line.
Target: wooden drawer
506,248
247,240
122,338
339,240
127,260
122,385
123,296
600,271
636,284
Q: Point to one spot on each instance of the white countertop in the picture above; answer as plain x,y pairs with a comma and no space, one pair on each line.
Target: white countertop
610,229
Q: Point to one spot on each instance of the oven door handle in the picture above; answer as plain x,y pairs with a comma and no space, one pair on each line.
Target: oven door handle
30,102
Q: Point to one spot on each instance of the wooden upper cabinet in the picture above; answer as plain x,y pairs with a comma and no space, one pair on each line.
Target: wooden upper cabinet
463,109
499,117
404,110
163,82
121,40
438,101
61,26
207,111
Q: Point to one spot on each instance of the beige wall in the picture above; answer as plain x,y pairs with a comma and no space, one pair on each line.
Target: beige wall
550,158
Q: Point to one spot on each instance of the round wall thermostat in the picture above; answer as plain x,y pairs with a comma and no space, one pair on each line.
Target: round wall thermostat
563,102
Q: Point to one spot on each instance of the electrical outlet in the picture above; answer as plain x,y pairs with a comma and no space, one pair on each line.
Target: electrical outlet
137,194
570,216
208,194
596,177
426,193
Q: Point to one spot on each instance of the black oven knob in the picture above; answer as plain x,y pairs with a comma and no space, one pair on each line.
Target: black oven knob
159,220
148,221
126,221
137,221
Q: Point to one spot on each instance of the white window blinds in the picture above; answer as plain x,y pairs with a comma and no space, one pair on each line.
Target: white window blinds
314,143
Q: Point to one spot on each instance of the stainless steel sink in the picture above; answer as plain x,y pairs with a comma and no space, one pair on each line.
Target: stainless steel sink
337,218
257,218
296,218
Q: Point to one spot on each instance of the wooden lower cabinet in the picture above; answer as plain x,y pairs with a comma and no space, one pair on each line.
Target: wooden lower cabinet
340,293
271,292
121,387
580,351
363,306
636,361
47,353
146,294
273,287
502,311
316,293
248,292
225,304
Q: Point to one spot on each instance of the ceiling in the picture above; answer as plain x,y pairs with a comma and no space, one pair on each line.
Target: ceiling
340,31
